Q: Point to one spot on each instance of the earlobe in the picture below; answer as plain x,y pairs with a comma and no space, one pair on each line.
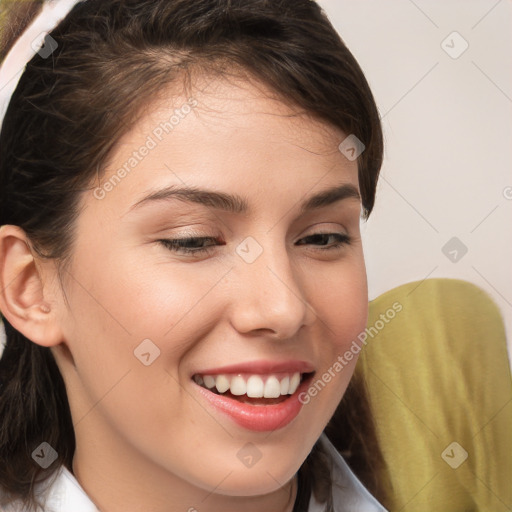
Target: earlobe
22,297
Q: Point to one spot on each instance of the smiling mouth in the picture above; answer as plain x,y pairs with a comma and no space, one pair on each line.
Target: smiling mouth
254,389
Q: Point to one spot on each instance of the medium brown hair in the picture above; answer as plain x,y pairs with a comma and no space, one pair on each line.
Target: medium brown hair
64,118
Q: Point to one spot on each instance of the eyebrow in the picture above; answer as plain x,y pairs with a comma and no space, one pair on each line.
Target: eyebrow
233,203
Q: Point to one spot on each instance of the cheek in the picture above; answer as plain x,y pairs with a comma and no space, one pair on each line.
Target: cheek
129,295
341,303
122,310
340,299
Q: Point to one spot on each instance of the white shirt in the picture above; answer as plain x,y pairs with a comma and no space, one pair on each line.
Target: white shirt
348,493
63,493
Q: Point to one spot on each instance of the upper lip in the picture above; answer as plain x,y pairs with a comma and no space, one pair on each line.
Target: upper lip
260,368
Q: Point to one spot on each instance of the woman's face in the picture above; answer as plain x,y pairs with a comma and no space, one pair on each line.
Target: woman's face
273,284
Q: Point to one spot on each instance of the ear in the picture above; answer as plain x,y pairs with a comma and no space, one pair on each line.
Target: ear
22,293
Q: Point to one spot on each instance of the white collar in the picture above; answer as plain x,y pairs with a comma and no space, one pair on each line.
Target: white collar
63,493
348,493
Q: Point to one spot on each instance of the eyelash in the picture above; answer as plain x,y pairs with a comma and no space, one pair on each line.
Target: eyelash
179,244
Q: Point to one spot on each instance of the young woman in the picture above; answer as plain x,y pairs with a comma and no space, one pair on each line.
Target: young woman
181,188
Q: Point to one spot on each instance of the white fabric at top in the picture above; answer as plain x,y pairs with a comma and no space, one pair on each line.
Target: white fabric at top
64,493
27,45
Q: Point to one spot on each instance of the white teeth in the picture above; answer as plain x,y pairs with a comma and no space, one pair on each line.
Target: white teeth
272,388
255,386
294,383
285,385
238,386
209,381
222,383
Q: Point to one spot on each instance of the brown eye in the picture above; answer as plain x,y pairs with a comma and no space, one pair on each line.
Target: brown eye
189,245
322,239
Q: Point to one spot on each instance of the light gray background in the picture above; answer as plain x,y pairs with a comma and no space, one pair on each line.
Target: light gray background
448,133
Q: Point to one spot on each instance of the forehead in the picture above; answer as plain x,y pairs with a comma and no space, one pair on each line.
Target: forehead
221,132
234,107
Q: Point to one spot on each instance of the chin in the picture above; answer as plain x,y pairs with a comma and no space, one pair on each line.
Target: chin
246,482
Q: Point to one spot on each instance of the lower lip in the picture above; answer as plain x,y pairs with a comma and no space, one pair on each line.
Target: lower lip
259,418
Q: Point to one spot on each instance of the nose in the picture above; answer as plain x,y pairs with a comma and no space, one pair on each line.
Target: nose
270,297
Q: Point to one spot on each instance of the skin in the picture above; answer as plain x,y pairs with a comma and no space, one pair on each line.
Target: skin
145,439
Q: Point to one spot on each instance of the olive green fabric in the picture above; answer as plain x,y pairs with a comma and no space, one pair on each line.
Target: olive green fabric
438,373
